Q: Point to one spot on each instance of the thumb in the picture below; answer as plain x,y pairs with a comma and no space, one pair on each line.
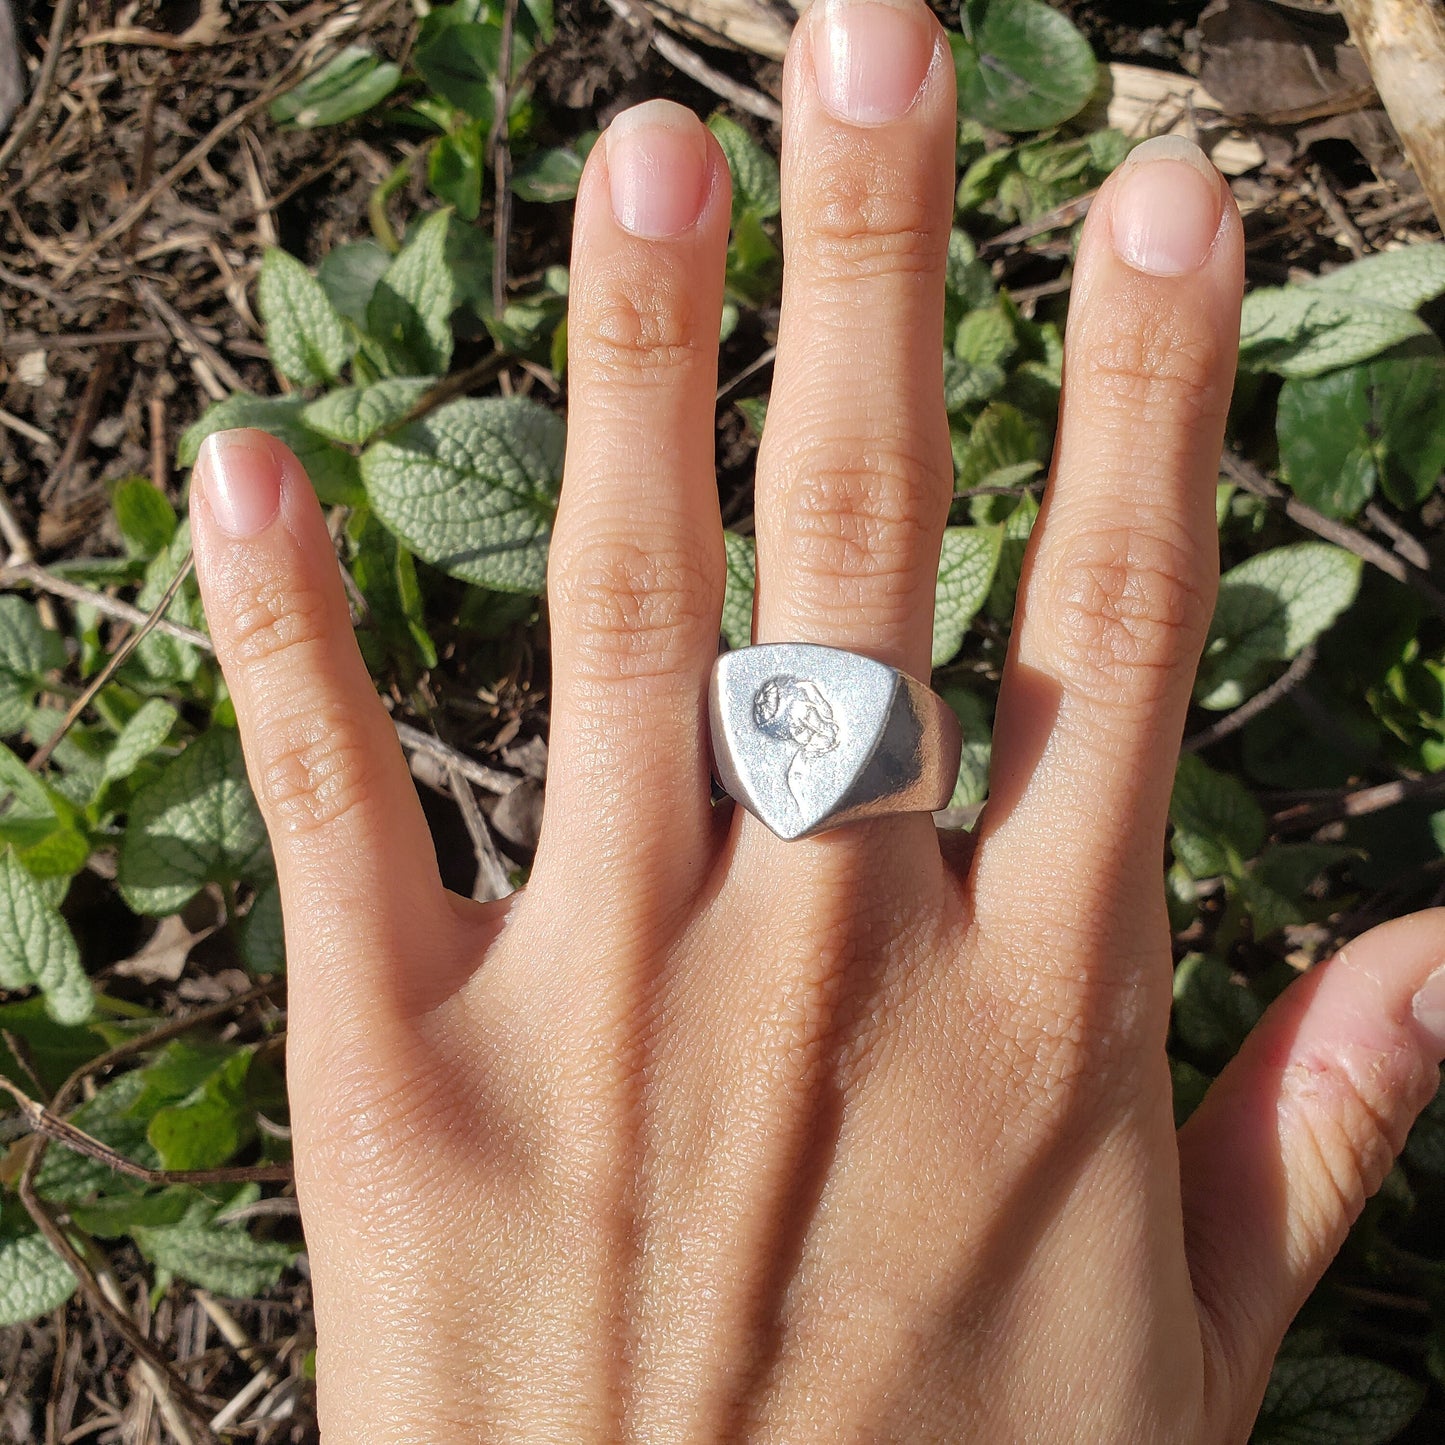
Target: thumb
1299,1131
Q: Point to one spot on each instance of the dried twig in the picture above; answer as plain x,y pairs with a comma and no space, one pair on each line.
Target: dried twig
690,63
1248,476
112,665
62,1131
501,151
492,881
1261,702
1357,803
40,97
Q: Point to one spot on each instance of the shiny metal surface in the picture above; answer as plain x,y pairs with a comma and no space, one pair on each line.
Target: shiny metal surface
808,738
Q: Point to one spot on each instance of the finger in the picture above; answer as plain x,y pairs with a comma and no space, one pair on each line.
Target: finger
353,855
1120,580
1300,1130
854,473
635,577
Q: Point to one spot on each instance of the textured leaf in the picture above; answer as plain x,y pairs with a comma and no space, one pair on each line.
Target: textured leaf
742,565
66,1177
1021,65
348,274
756,184
146,519
460,61
409,314
1002,442
1271,607
1016,532
965,574
1335,1400
207,1127
36,946
262,938
472,489
1217,824
27,652
140,737
167,659
32,811
1307,330
1212,1012
305,334
1344,433
333,472
33,1279
114,1215
348,85
1406,278
973,763
197,823
354,414
222,1258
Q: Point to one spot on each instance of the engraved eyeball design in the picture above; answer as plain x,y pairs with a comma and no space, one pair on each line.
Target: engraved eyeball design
794,708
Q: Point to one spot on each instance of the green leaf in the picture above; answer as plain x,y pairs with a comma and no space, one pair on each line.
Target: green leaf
66,1177
33,1279
223,1258
146,519
348,85
1213,1012
742,571
1270,608
261,936
472,489
354,414
211,1124
31,811
1002,443
409,314
147,730
305,334
1307,330
973,763
1344,433
1406,278
757,187
461,61
548,175
197,823
163,658
1016,531
1335,1400
115,1215
348,274
1021,65
456,166
55,1050
965,574
333,472
27,652
1217,823
36,946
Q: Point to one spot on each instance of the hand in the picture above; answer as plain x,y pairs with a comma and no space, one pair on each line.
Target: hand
709,1137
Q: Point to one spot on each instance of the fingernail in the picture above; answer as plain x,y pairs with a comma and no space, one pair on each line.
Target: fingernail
1167,207
1430,1011
657,161
871,57
240,475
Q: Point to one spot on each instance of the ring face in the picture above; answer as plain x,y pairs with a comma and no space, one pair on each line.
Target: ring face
808,738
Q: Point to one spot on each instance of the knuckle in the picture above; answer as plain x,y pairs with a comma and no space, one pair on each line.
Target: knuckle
316,770
866,218
850,509
1150,366
634,611
274,620
631,325
1349,1135
1125,604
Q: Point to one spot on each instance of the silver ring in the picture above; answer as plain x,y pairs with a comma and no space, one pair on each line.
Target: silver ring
808,738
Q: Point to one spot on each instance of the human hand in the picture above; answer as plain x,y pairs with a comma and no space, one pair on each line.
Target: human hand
709,1137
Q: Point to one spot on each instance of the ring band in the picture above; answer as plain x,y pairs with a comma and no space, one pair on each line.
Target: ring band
808,738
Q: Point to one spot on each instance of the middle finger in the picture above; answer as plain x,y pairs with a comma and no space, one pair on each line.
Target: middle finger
854,473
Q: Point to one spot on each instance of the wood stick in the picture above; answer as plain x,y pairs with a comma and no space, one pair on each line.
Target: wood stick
1403,43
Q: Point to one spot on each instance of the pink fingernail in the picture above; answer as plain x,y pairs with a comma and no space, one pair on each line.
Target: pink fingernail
871,57
240,476
1429,1010
1167,207
657,162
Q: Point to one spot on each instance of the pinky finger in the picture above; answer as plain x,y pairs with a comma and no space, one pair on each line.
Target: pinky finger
353,854
1299,1131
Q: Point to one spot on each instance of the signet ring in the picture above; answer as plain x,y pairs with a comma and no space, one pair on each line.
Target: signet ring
809,738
